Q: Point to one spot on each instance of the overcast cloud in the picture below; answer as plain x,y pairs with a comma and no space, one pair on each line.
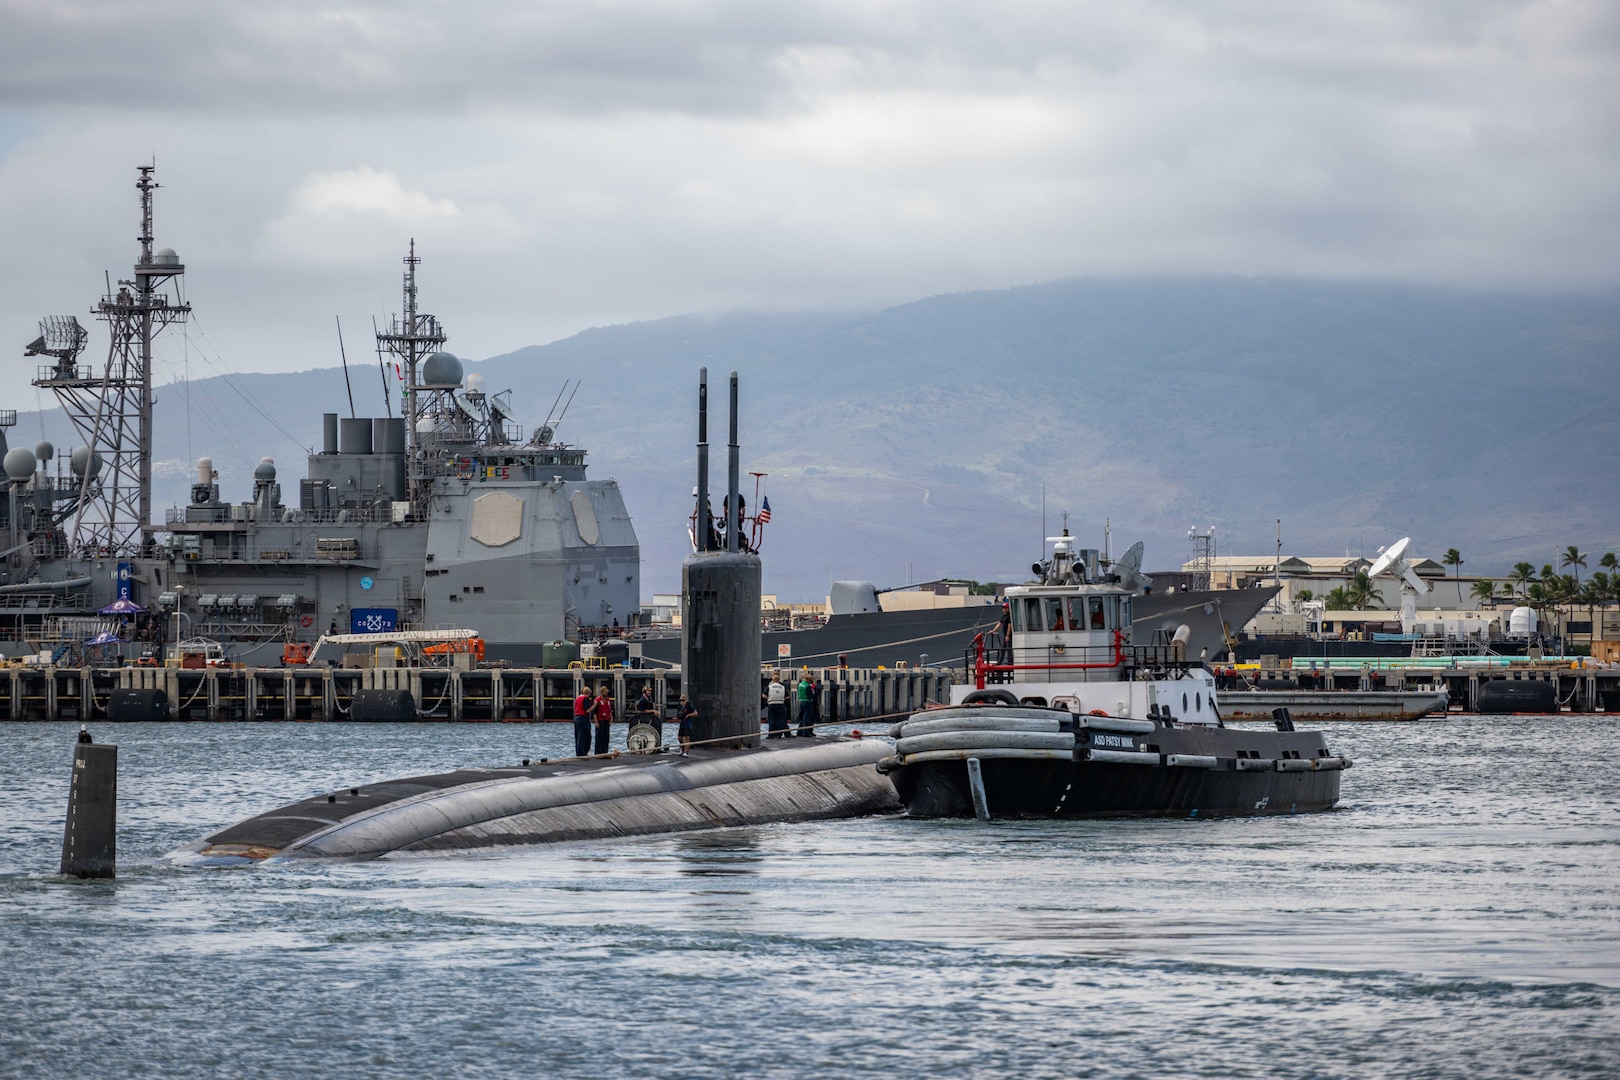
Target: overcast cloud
564,165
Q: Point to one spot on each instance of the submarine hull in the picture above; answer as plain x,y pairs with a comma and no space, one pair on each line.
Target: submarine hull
553,802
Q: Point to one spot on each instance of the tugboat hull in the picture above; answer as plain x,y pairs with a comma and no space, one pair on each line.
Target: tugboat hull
1115,767
1025,789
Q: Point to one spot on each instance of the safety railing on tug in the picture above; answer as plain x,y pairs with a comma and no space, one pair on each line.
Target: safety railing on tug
1056,659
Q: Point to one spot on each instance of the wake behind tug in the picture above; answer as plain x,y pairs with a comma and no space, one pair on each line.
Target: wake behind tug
1067,718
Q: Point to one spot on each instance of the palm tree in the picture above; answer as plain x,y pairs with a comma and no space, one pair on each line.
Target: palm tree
1523,573
1337,599
1453,558
1573,557
1605,588
1609,562
1362,593
1540,599
1484,589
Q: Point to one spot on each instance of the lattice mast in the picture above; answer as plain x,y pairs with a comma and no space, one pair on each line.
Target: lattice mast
411,338
1203,557
113,413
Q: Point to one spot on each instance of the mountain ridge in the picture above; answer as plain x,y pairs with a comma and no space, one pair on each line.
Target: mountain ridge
916,441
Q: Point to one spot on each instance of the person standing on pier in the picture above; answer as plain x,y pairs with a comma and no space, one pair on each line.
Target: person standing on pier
604,720
582,723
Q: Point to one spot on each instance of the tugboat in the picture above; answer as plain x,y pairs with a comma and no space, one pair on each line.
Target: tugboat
1067,717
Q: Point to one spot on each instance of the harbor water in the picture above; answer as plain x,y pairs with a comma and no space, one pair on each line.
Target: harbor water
1459,915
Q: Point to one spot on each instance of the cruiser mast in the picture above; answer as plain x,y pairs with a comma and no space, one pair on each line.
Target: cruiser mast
113,413
411,338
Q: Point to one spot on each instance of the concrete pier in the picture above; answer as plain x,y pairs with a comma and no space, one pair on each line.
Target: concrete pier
487,695
1473,685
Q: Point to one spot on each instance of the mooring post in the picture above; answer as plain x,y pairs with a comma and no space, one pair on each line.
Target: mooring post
89,843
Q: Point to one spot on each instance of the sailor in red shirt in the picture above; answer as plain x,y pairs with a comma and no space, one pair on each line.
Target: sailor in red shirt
582,724
604,720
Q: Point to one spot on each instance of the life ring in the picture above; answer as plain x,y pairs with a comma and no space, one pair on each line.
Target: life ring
307,621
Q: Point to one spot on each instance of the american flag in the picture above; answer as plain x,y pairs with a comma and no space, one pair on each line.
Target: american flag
764,515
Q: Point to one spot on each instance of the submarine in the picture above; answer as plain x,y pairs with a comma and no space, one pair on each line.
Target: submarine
729,778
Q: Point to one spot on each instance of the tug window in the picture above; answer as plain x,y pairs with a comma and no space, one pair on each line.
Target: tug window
1077,613
1032,614
1016,610
1054,613
1098,621
1125,612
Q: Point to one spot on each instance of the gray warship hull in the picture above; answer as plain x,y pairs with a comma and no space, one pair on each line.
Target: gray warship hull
945,635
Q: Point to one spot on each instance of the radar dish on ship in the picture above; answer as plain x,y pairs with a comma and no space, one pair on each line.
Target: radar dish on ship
442,369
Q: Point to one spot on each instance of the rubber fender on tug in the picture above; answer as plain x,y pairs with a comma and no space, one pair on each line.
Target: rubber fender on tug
991,697
980,719
1124,757
1116,723
987,740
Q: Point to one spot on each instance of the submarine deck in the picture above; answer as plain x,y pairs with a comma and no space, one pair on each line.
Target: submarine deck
569,799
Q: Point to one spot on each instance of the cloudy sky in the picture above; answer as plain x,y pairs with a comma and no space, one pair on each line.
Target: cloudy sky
563,165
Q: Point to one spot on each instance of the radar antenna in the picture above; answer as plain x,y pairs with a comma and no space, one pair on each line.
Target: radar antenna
61,338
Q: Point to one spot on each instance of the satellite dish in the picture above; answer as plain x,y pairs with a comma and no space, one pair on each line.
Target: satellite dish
1393,562
1129,569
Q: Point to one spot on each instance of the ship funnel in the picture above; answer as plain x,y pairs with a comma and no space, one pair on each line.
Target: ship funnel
355,435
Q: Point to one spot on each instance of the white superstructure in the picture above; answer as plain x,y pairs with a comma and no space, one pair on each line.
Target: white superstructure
1066,643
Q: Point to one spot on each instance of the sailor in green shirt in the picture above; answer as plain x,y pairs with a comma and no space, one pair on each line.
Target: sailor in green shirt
807,706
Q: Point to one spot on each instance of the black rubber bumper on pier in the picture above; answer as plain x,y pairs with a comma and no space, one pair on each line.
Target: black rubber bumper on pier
138,705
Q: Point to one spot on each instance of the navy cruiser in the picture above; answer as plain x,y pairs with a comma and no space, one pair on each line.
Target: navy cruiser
447,514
